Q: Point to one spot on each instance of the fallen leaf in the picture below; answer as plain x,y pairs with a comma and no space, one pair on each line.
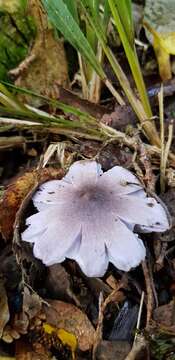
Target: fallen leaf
164,316
46,63
164,46
160,24
16,193
67,338
68,317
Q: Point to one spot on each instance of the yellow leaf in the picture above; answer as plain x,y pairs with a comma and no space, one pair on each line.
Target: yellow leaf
49,329
164,45
66,337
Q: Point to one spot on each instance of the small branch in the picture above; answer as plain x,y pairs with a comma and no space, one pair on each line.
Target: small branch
150,297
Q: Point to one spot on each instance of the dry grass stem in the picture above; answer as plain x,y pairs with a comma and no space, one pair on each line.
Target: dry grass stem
162,138
139,314
169,142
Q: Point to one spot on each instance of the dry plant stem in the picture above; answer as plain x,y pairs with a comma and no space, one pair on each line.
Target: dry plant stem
23,66
152,284
169,142
114,92
162,138
139,314
95,85
148,126
83,77
99,329
10,142
111,134
150,297
129,141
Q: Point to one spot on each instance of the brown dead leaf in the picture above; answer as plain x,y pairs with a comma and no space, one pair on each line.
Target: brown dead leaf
16,193
165,316
4,309
120,118
46,64
70,98
70,318
24,351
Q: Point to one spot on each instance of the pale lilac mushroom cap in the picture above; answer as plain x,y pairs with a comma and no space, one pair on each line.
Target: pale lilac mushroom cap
90,216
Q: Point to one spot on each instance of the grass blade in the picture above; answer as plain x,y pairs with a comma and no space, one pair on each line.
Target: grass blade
63,20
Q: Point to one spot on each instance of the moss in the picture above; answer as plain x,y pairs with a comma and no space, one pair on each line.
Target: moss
163,347
16,32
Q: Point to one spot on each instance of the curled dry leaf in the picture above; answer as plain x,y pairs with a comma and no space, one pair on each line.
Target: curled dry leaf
70,318
17,192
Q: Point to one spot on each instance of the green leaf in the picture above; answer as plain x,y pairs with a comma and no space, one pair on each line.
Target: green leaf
63,20
123,22
72,6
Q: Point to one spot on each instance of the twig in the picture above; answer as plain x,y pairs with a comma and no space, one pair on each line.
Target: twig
152,283
150,297
23,66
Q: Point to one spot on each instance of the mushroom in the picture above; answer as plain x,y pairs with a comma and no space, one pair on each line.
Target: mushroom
91,217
